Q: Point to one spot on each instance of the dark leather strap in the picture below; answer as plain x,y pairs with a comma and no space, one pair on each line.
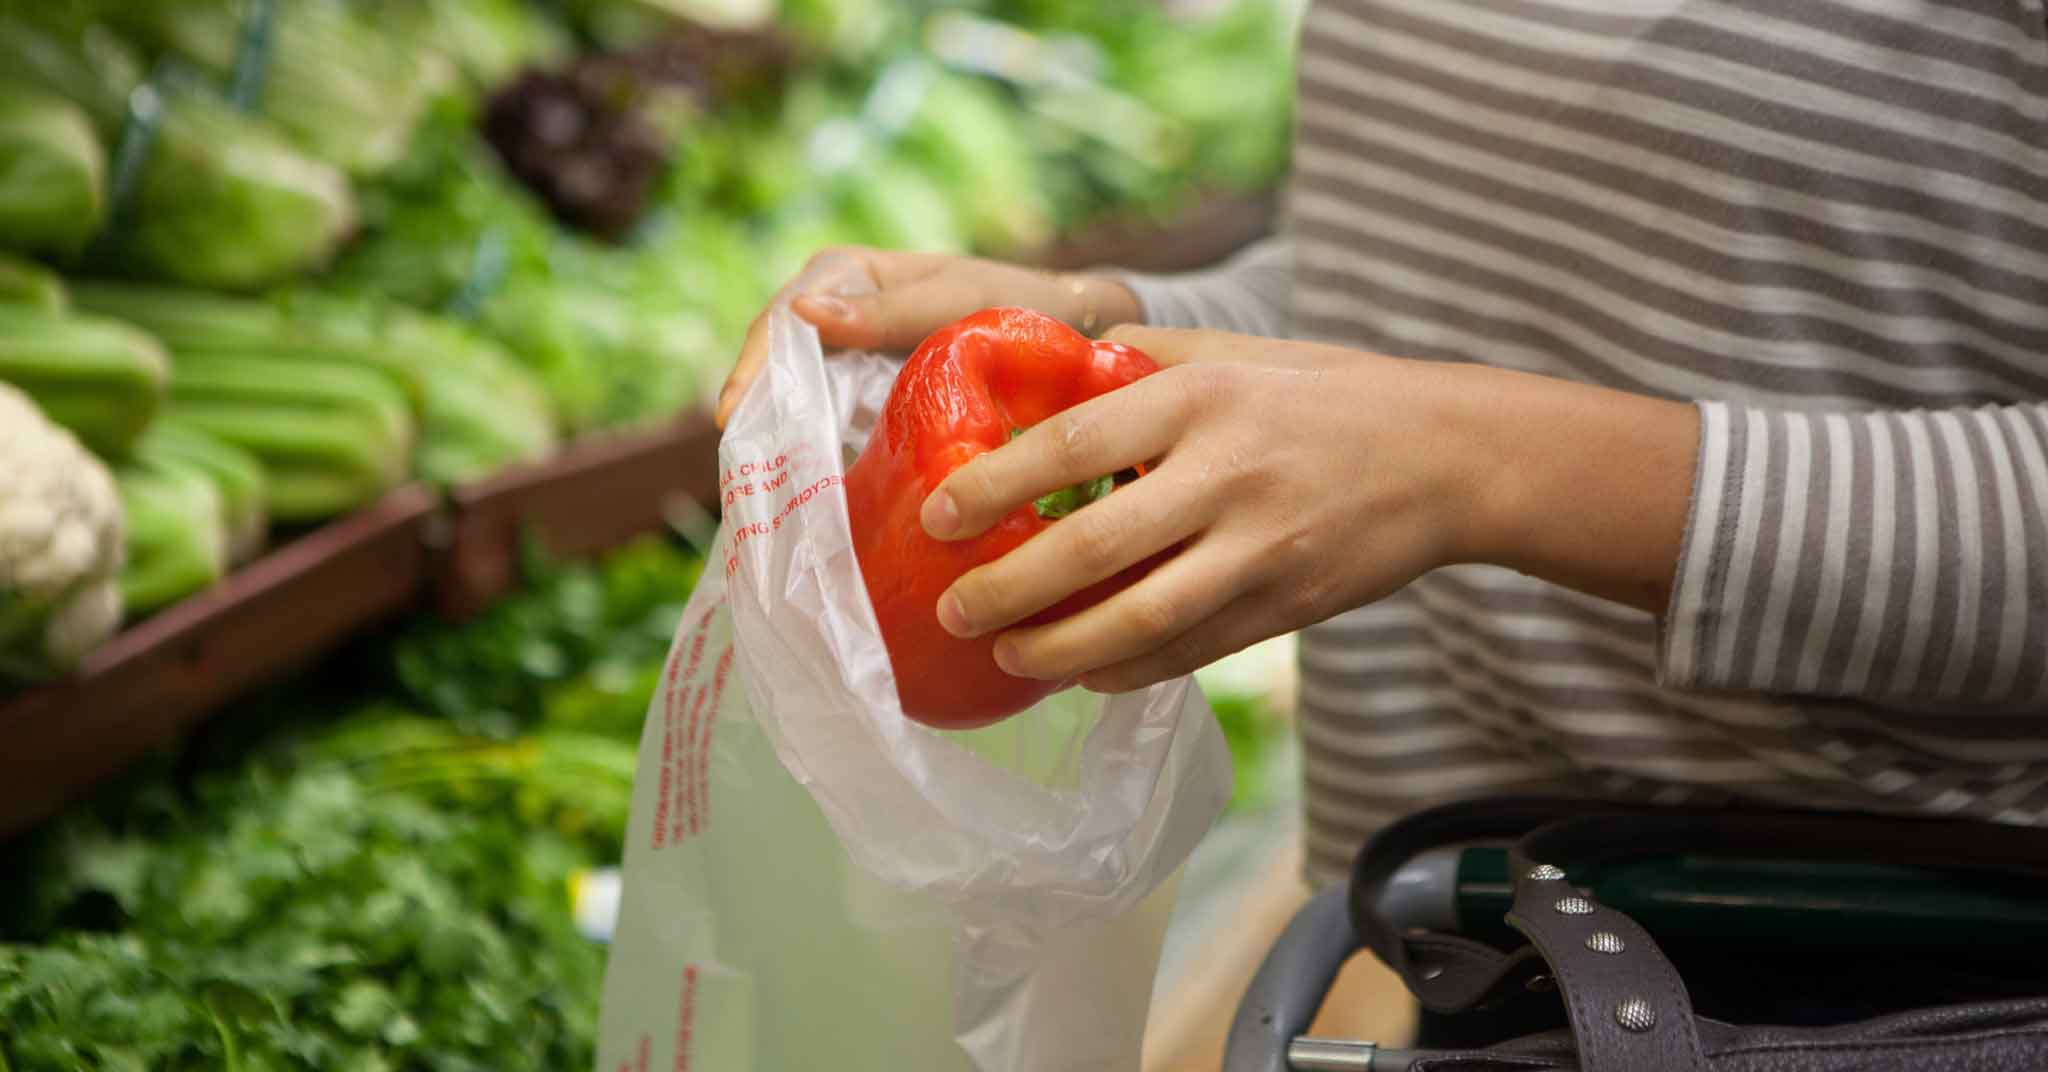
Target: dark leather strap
1629,1009
1452,974
1448,973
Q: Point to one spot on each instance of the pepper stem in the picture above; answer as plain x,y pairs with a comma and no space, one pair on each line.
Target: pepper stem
1065,501
1057,504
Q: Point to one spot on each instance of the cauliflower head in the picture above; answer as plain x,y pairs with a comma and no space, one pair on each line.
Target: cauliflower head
61,545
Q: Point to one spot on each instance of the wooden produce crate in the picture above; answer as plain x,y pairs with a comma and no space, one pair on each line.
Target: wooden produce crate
144,686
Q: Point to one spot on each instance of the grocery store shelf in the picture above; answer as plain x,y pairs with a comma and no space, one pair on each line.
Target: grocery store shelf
462,551
172,669
593,496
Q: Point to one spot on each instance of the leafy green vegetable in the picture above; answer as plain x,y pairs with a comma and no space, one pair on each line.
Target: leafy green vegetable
331,436
24,282
347,89
308,920
177,538
574,649
614,336
234,472
224,202
101,378
52,171
221,198
1229,81
339,874
489,40
972,141
91,1001
478,410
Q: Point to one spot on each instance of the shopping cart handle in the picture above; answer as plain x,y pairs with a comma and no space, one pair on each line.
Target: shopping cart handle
1291,984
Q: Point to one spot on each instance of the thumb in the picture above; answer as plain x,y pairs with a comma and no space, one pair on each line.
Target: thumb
1176,346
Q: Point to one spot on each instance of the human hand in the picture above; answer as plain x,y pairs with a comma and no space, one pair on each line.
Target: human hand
918,293
1292,481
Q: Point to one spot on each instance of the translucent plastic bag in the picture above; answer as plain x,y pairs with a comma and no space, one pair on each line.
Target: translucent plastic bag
811,879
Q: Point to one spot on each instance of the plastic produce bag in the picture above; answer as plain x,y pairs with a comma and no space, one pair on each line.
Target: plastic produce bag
812,880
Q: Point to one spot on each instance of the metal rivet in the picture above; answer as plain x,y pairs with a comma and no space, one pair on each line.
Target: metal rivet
1605,942
1546,873
1574,906
1540,984
1636,1015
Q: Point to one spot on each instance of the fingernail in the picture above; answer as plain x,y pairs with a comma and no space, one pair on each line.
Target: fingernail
953,616
1006,657
941,515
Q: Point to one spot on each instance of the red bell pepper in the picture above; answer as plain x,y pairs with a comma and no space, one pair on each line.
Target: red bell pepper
969,388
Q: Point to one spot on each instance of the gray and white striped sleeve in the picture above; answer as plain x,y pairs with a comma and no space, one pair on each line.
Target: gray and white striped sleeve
1248,294
1895,557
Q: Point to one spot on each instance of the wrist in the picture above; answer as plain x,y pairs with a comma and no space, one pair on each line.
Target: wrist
1092,304
1482,500
1583,486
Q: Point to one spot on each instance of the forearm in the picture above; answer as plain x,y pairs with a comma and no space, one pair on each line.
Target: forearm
1582,486
1886,556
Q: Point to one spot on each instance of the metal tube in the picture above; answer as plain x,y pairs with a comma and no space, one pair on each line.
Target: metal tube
1328,1055
1331,1055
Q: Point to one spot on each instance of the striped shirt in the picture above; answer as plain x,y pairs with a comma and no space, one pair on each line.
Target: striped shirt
1823,222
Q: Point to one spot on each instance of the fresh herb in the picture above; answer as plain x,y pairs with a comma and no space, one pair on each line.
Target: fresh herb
341,876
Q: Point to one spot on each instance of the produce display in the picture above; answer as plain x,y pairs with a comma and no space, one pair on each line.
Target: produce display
197,191
534,222
372,866
330,436
365,868
341,88
969,388
476,409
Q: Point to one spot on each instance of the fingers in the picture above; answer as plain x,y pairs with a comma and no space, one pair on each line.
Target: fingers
1171,601
895,318
753,351
1179,346
1093,544
1237,626
1130,426
867,322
